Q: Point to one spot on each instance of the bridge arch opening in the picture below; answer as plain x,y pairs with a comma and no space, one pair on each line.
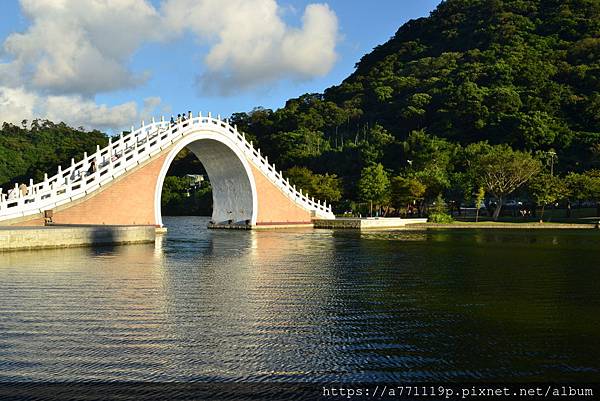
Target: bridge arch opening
233,187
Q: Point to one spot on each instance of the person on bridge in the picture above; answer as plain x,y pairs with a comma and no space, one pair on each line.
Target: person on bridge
92,168
23,189
172,121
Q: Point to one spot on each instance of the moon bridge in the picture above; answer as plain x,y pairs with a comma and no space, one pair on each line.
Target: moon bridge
122,182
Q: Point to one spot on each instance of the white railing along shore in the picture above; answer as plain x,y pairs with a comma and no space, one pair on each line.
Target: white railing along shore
127,151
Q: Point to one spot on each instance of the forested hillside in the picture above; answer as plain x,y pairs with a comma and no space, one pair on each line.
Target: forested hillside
39,147
522,72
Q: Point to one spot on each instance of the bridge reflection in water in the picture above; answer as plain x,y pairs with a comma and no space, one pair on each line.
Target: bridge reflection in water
306,305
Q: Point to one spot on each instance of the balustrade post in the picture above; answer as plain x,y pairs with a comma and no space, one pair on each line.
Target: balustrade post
153,120
219,117
162,119
200,115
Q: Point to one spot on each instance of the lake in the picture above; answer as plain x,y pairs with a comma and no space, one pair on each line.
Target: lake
306,305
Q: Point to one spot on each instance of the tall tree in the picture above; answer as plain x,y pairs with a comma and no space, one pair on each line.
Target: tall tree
374,186
502,170
406,192
546,189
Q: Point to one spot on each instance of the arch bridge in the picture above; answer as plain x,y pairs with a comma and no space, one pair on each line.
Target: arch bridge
125,185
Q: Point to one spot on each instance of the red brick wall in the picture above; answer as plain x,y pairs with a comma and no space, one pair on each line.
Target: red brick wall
274,206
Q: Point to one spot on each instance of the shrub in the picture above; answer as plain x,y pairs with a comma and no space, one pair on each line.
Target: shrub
440,218
438,213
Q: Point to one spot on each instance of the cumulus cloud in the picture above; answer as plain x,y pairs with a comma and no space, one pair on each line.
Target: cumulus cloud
73,50
17,104
79,47
250,44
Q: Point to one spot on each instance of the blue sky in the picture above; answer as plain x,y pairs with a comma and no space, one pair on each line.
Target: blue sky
44,77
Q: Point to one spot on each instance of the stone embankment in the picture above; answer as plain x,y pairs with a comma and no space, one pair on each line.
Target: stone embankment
370,223
55,236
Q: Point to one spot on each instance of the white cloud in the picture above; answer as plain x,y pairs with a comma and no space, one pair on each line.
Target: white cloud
75,49
17,104
251,45
80,47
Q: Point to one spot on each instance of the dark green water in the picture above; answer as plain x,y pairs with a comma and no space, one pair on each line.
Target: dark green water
307,305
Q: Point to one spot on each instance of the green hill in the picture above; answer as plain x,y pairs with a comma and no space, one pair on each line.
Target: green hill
521,72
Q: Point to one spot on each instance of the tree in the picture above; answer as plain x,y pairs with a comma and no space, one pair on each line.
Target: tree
502,170
479,197
439,211
321,186
545,189
373,186
297,145
406,191
585,186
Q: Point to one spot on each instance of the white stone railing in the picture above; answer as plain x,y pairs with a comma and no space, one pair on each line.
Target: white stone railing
124,154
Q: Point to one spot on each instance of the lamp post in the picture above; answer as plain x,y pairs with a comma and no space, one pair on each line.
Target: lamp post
552,155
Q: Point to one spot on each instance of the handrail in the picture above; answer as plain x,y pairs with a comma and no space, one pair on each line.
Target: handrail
126,152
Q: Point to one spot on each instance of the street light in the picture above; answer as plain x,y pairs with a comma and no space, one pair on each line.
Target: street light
552,155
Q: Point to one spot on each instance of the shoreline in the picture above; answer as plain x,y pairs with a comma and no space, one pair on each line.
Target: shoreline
505,226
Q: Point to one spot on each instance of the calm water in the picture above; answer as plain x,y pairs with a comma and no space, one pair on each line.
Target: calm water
306,305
